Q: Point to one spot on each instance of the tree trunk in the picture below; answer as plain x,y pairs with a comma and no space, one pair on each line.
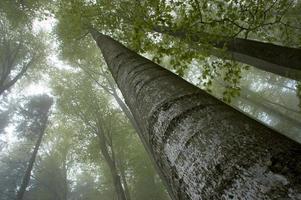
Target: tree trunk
259,104
124,181
26,177
290,127
280,60
291,115
137,128
113,169
204,148
65,180
126,111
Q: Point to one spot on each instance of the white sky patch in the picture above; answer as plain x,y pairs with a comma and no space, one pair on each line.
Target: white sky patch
37,88
45,25
10,136
54,61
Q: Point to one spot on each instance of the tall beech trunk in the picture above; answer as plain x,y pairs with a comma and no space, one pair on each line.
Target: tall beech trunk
26,177
204,148
281,60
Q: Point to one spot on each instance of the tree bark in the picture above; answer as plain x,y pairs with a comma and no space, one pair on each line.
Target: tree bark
137,128
204,148
280,60
26,177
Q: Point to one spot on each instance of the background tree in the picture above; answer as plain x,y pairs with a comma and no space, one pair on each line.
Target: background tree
35,113
13,164
21,49
108,130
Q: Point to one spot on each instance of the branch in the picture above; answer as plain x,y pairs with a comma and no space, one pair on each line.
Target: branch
96,81
17,77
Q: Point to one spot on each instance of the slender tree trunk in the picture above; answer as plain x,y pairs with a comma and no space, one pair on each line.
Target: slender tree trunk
65,186
126,111
280,60
26,177
113,169
283,112
286,120
294,126
124,181
272,107
204,148
250,98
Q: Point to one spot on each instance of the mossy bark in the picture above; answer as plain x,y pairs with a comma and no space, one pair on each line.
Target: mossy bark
203,148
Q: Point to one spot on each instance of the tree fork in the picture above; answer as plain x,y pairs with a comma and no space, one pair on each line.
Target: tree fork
204,148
